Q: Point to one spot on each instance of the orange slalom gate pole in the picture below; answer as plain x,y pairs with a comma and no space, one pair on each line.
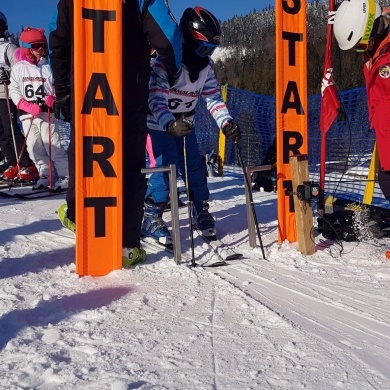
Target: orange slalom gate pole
98,135
291,105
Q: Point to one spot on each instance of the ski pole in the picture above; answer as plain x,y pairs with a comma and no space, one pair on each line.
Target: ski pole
189,204
22,150
50,162
250,196
12,127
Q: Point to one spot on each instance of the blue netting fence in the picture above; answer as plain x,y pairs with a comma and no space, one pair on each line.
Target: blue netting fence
349,141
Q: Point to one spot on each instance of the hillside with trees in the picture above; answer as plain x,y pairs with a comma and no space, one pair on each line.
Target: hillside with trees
251,65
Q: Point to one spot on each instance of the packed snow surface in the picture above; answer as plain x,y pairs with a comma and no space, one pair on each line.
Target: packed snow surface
288,322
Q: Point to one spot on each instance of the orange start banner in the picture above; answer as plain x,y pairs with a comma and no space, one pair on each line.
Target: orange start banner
98,135
291,104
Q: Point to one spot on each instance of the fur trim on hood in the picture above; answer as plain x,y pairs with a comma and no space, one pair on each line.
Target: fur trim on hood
19,56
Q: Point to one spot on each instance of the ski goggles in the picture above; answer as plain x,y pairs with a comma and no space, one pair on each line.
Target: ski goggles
34,46
205,49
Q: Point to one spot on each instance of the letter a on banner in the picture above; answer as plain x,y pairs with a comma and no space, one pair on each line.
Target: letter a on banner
291,104
98,135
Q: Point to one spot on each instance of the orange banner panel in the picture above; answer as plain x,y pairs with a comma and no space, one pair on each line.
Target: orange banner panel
98,135
291,104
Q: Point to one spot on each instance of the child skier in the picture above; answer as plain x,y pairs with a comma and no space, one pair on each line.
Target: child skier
32,91
171,120
11,138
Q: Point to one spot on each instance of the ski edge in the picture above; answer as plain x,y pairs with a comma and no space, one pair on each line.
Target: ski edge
146,241
223,250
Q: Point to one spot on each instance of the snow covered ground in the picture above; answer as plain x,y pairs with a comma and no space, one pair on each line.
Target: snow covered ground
288,322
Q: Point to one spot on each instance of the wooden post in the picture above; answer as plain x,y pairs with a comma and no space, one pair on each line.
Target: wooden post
303,212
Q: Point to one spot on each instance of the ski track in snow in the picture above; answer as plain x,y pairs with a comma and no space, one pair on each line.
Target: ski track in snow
288,322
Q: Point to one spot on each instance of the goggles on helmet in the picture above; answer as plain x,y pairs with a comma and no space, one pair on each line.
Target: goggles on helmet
363,43
205,49
35,46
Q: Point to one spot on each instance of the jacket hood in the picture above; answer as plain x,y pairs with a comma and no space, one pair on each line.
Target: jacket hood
19,56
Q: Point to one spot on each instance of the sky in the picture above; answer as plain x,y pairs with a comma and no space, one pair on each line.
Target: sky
38,13
288,322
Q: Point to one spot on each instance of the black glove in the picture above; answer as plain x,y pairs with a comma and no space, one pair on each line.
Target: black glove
62,109
4,76
180,127
172,78
232,131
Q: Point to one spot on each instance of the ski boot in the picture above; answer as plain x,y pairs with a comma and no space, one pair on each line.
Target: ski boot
43,182
153,225
204,220
61,184
66,222
133,256
29,173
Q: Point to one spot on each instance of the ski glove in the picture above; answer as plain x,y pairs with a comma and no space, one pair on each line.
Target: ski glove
62,108
180,127
172,78
4,76
49,100
29,107
232,131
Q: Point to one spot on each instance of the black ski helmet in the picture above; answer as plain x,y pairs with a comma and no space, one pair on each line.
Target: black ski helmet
3,23
201,30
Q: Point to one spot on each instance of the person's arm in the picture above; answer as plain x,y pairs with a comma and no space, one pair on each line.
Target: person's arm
158,94
60,57
14,88
163,34
60,49
211,93
9,55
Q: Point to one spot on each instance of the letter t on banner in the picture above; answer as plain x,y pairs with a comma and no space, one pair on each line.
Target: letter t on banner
98,135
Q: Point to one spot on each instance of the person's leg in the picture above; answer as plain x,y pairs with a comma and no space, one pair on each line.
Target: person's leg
165,153
58,155
197,182
35,147
197,178
71,192
134,144
384,182
157,194
6,136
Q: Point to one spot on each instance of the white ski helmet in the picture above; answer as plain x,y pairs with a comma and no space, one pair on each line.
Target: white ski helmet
354,21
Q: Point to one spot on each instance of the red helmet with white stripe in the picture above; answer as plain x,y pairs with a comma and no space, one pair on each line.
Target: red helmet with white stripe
201,30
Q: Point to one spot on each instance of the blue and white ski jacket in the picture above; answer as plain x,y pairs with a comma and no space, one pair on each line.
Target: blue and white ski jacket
169,103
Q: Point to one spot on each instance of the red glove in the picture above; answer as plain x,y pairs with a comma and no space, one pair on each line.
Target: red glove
31,108
49,100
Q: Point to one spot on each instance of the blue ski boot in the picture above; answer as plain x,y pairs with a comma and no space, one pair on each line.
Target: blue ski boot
204,220
153,225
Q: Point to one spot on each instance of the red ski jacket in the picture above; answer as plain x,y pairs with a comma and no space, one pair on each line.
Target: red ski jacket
377,75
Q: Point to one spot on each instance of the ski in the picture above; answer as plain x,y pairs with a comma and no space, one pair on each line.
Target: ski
28,192
39,194
213,261
226,252
16,184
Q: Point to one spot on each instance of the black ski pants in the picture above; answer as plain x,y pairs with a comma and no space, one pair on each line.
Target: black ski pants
6,139
134,184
